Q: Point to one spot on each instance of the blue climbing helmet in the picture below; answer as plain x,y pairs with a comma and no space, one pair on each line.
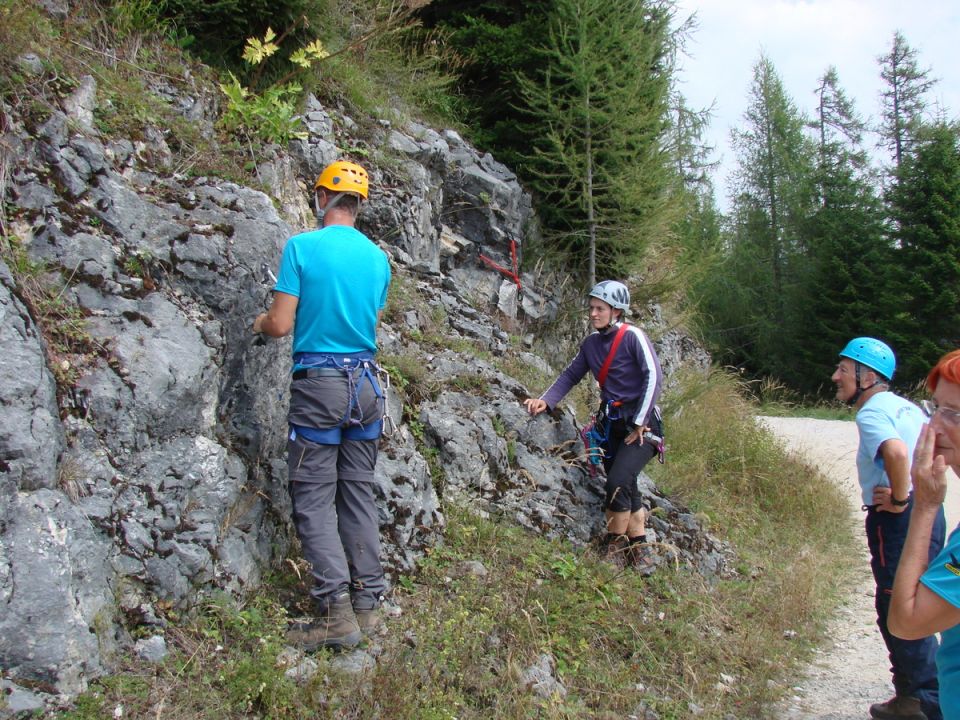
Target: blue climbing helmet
613,293
871,353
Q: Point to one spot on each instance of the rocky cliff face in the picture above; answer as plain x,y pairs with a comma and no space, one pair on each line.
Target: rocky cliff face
142,437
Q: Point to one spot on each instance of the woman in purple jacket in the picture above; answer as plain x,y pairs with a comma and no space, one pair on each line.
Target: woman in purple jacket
622,359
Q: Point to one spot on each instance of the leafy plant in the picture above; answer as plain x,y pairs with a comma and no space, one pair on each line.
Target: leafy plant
138,264
270,116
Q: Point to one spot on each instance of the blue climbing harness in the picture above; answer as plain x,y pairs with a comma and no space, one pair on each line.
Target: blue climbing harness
357,368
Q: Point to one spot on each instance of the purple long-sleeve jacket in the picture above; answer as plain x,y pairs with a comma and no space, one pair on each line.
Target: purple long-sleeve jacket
634,375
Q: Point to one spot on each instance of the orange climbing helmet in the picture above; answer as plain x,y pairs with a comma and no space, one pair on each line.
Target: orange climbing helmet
343,176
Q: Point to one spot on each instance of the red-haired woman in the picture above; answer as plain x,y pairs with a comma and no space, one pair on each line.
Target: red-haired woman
926,598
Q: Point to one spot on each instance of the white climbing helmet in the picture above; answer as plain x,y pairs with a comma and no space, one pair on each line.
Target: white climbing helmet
613,293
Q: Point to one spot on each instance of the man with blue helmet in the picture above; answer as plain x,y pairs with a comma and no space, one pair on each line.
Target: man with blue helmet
889,426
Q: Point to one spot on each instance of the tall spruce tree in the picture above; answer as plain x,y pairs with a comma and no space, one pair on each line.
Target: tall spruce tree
697,229
848,272
925,207
774,185
602,102
903,98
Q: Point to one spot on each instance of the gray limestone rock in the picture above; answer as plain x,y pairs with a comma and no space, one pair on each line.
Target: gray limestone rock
31,436
159,477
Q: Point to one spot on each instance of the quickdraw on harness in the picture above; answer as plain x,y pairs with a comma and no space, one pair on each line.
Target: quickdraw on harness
596,432
657,440
352,426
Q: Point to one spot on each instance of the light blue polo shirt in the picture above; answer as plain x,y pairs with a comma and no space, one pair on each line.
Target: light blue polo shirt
943,578
341,278
885,416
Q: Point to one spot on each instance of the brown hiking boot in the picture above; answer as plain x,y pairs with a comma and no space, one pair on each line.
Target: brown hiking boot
616,551
899,707
641,557
370,621
336,628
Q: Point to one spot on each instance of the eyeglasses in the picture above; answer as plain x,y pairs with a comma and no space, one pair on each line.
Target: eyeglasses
950,417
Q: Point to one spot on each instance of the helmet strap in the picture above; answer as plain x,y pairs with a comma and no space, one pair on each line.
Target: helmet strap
852,400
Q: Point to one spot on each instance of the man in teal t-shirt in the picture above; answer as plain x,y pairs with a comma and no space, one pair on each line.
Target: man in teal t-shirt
330,290
341,280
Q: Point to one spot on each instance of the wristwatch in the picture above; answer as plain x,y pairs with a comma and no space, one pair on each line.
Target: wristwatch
899,503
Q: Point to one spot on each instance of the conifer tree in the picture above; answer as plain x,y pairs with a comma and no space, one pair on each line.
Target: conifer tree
925,207
697,229
903,98
492,39
849,263
773,201
600,163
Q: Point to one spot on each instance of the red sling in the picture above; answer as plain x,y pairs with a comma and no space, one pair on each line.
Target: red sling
602,375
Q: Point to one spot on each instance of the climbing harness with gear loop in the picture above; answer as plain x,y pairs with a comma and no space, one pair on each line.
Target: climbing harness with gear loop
657,440
357,369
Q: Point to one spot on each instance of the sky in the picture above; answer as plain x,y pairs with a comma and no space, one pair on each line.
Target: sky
802,38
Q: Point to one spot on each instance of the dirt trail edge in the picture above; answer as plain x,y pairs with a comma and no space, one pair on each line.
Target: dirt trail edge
851,670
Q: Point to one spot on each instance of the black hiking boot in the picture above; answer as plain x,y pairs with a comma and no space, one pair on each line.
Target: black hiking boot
899,707
642,558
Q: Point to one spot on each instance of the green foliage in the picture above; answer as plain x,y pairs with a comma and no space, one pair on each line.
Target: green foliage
138,264
528,374
69,345
23,27
472,384
493,38
270,116
408,373
847,255
463,639
401,296
601,101
130,18
924,315
906,86
223,663
755,302
217,32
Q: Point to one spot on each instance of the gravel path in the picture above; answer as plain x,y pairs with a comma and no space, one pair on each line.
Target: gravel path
851,670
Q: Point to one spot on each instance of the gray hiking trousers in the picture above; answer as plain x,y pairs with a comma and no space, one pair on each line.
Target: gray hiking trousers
332,489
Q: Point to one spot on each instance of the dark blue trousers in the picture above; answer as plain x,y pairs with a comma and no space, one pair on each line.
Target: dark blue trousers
912,662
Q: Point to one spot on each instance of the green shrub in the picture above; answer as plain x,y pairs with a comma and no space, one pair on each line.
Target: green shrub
217,31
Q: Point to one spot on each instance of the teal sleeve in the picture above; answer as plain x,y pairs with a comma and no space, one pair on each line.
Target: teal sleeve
386,287
288,280
943,574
